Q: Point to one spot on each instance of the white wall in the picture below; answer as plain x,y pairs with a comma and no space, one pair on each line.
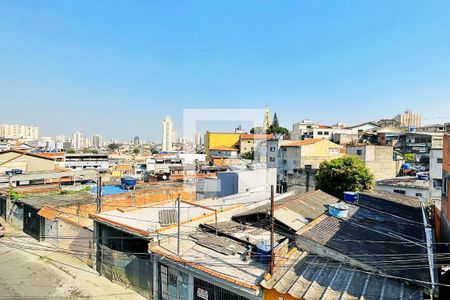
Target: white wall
409,191
246,181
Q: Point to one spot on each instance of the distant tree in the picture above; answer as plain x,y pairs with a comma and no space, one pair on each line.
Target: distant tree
155,151
136,151
277,131
248,155
275,121
256,130
94,151
347,173
113,146
71,150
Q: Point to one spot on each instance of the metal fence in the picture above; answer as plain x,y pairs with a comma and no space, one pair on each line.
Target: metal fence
128,270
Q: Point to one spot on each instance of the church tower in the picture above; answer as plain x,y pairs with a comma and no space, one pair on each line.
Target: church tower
266,123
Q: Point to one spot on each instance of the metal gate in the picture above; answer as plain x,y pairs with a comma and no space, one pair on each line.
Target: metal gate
127,270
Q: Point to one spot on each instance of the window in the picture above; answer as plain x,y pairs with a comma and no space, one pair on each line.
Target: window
444,183
326,133
272,159
439,160
400,192
319,132
173,284
308,167
333,150
272,149
418,194
359,152
437,183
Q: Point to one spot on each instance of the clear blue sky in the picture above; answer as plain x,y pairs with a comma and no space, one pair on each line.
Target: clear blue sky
118,67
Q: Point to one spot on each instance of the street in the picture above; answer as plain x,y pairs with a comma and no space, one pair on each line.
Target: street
30,270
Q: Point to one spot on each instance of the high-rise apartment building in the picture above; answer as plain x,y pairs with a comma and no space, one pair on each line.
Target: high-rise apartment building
409,119
96,141
19,131
167,134
78,141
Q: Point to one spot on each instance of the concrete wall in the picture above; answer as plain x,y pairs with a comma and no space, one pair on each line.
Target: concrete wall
246,181
378,159
445,209
51,232
314,154
75,238
409,191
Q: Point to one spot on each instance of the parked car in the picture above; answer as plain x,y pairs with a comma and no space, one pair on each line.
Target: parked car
13,172
2,230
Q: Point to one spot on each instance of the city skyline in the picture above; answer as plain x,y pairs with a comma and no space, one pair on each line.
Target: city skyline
306,60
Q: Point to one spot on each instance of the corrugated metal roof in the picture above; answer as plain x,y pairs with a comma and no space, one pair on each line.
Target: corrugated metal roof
167,217
307,276
376,239
298,210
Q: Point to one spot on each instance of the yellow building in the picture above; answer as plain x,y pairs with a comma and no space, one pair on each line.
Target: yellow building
221,139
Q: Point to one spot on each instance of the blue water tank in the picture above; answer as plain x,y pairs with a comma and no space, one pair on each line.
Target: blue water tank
263,250
351,197
338,210
128,182
406,166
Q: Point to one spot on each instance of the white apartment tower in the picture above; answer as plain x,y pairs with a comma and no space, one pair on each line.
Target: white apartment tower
167,134
409,119
96,141
78,141
19,131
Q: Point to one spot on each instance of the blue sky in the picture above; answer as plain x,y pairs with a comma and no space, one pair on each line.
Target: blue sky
118,67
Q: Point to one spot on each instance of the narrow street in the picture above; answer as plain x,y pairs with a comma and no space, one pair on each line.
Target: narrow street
28,270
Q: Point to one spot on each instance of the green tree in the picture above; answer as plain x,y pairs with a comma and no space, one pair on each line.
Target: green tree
71,150
256,130
347,173
113,146
248,155
277,131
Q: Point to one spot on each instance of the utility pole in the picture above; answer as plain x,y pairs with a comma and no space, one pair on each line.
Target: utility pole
8,201
179,224
99,194
272,229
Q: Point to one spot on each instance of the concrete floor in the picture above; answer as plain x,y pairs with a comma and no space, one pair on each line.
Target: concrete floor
32,270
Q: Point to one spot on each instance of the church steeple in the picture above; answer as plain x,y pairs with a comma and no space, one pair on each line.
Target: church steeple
275,122
266,123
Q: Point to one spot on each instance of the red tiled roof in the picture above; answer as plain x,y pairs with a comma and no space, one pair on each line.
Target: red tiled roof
48,213
249,136
302,143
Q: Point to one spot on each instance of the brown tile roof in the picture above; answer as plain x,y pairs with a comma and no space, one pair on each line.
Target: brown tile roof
48,213
302,143
249,136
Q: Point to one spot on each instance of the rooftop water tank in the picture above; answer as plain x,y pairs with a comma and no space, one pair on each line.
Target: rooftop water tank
351,197
128,182
338,210
406,166
263,250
